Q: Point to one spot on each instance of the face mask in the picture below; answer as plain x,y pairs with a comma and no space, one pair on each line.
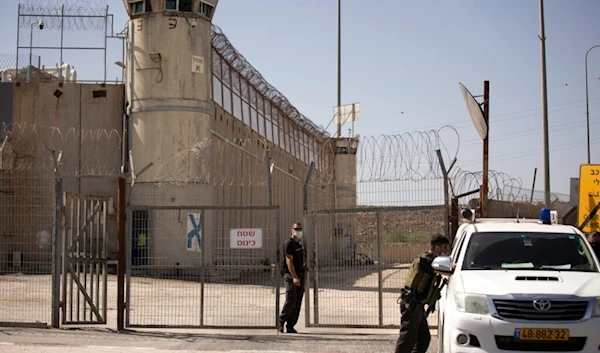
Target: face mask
298,234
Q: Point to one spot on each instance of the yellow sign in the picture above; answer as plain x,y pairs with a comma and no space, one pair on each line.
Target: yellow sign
589,196
141,239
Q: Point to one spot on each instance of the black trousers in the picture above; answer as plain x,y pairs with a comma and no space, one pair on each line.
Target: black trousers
414,332
293,300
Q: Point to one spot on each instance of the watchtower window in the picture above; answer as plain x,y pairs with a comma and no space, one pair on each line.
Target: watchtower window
185,5
140,6
179,5
205,9
171,5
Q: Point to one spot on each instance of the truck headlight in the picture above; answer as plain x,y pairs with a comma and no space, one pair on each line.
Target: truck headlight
472,303
596,311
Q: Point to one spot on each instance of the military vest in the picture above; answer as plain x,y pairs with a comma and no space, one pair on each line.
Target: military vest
423,285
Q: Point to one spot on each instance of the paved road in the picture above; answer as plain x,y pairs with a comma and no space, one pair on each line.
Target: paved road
22,340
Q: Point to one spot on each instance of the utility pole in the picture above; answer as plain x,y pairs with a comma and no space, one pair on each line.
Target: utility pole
339,70
546,150
587,104
486,116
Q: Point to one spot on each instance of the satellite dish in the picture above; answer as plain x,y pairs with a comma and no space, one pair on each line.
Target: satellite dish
474,111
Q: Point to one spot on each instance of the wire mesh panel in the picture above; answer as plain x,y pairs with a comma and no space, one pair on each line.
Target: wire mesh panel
203,266
84,280
359,259
26,220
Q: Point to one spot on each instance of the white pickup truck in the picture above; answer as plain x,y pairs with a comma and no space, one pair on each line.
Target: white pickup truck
521,286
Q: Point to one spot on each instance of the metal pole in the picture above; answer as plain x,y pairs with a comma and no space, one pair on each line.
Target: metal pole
269,177
353,118
454,218
62,26
105,40
277,257
486,116
587,106
533,185
544,110
30,49
379,272
64,262
56,260
16,78
202,270
446,194
121,249
339,69
128,240
315,264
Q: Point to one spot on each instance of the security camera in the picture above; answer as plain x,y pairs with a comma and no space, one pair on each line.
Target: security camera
40,24
193,23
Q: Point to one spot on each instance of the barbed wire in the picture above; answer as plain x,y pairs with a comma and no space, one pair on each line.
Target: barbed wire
384,158
232,57
78,14
407,156
241,162
501,186
25,146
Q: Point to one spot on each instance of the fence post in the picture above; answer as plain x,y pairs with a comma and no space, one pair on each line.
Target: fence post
446,194
379,274
454,214
57,251
269,177
307,277
121,254
278,263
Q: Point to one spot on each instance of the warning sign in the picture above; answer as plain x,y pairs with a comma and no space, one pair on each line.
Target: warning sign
589,196
245,238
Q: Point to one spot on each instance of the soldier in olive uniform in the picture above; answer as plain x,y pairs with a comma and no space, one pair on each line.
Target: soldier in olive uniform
422,286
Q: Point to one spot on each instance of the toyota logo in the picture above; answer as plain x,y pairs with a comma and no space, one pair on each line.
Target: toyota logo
541,304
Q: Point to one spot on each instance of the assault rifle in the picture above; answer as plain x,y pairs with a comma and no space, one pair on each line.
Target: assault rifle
431,307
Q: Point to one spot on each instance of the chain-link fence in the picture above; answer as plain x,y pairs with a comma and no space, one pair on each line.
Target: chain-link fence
8,62
203,266
356,276
26,228
36,163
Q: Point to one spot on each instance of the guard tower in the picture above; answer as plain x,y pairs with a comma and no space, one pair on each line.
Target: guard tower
168,92
169,111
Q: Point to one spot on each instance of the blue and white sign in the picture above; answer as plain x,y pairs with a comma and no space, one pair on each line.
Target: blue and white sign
194,232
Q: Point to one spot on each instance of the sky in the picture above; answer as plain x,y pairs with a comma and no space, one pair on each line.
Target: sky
402,61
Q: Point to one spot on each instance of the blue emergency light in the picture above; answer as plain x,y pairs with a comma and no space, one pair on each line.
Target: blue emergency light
545,217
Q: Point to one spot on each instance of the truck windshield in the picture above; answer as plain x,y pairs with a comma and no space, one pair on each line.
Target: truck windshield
528,251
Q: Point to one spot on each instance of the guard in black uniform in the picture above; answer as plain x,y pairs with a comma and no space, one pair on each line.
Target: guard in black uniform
293,276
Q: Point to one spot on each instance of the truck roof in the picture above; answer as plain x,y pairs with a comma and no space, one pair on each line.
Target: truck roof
522,225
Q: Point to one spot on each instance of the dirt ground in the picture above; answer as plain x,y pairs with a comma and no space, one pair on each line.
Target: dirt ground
348,297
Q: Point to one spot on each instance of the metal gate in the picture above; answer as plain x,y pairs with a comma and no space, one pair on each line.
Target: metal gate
358,259
202,266
84,270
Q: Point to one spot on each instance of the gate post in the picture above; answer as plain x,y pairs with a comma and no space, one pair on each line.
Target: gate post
57,251
379,272
121,256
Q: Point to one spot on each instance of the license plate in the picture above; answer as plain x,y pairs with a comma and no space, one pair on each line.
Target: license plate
541,334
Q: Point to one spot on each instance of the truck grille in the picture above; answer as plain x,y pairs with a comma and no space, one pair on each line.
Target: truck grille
524,310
